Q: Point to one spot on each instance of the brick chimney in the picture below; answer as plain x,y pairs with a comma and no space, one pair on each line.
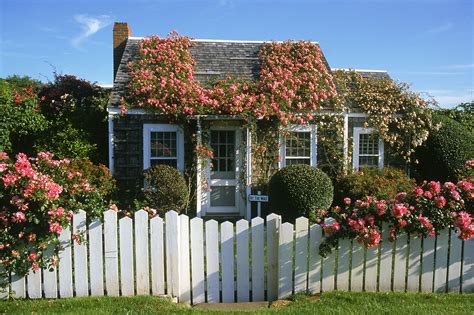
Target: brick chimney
121,33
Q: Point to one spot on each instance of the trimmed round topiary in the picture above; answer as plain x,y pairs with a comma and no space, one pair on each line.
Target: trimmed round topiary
383,184
165,189
297,190
445,152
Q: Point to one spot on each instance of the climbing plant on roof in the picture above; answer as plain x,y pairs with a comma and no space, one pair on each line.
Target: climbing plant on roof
294,83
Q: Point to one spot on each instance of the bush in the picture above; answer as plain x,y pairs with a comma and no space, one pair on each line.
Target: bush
165,189
38,197
297,190
445,151
99,176
383,184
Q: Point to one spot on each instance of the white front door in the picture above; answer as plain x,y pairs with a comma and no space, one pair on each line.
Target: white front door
223,173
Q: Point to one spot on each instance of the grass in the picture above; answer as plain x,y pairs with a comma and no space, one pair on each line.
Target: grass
330,303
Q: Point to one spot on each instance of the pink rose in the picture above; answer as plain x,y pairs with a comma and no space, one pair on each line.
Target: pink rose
19,217
399,210
428,194
380,208
347,201
440,202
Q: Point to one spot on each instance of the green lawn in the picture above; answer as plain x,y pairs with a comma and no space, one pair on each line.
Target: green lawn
330,303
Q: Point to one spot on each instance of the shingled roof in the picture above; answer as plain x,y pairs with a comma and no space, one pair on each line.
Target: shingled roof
214,59
375,74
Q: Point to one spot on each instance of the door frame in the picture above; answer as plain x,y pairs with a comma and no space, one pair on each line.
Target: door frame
239,200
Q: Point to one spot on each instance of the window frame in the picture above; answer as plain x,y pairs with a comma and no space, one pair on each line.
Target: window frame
148,129
313,149
357,131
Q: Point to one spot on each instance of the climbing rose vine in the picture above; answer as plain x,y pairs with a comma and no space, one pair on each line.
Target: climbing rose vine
294,83
38,197
425,211
401,117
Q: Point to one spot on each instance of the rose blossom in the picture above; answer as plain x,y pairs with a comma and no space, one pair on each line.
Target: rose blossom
440,202
19,217
331,228
399,210
347,201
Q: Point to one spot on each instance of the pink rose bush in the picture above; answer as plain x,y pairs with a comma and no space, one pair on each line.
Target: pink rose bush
38,197
425,211
293,79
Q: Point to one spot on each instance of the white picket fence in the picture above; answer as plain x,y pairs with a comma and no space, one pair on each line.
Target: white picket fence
199,261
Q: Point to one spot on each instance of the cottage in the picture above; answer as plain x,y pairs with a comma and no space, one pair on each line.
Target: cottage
140,138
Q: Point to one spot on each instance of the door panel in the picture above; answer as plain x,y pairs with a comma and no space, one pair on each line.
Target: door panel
223,177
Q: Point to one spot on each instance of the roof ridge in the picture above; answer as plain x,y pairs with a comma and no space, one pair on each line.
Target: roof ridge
204,40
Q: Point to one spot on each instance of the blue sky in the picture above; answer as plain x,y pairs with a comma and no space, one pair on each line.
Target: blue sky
427,43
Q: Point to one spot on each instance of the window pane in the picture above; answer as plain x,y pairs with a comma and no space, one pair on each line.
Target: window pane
222,196
163,144
368,144
223,145
298,144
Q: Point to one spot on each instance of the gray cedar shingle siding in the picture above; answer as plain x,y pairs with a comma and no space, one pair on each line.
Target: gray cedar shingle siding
213,60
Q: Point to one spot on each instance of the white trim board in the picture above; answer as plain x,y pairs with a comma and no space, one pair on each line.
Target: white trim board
149,128
355,147
313,143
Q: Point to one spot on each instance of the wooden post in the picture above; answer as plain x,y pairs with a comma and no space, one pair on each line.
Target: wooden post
198,171
249,174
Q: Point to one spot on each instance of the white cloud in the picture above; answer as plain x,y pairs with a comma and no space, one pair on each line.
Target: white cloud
441,28
451,98
90,25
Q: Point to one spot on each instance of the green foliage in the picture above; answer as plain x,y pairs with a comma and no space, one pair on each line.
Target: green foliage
98,176
77,110
383,184
297,190
446,150
165,189
66,141
67,117
21,120
463,114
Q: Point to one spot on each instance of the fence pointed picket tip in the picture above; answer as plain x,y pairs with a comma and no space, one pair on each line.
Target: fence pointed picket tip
171,213
287,224
301,219
241,221
226,223
157,219
125,218
257,220
183,216
272,215
211,222
196,219
141,212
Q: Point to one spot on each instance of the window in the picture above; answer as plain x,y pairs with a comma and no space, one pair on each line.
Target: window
368,149
163,144
298,146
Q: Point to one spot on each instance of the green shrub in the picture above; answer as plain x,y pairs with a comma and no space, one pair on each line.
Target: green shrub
383,184
297,190
165,189
446,150
98,176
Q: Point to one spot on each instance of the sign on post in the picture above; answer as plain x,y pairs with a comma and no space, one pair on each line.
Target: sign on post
259,198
